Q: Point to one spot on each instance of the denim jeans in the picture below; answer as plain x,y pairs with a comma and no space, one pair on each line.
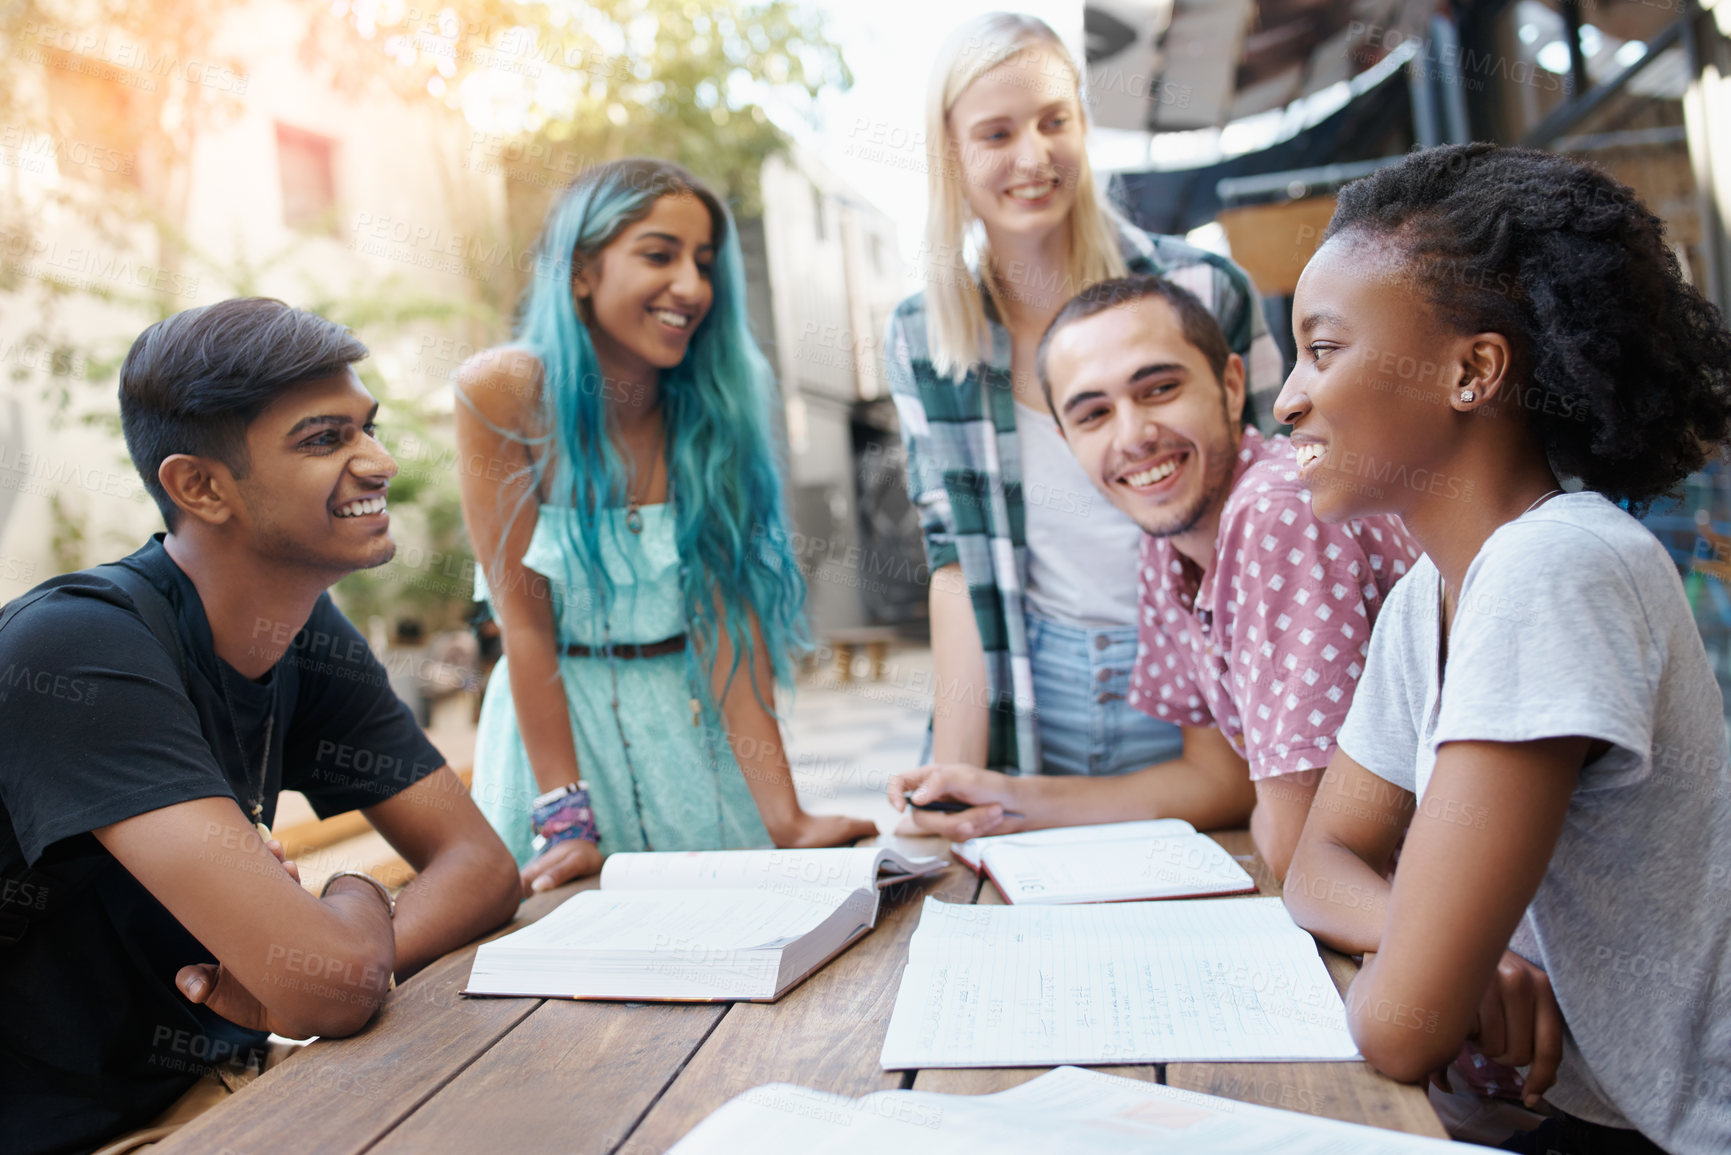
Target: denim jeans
1081,691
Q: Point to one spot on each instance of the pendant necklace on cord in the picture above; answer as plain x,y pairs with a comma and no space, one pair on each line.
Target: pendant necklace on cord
633,507
256,809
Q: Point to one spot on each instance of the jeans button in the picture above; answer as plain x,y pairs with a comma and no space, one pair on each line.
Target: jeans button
1103,699
1101,641
1105,676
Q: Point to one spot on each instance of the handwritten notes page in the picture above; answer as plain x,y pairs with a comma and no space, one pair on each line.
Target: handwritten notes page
1210,980
1069,1110
1175,866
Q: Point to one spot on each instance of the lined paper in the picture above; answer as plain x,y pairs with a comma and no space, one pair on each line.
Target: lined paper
1210,980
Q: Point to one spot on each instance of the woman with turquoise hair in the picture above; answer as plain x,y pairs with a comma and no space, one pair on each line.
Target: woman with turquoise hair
621,494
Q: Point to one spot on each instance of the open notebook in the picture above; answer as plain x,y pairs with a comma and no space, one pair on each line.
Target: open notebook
1111,862
1070,1110
708,926
1214,980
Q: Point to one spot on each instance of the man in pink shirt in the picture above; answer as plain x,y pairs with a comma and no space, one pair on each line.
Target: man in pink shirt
1255,616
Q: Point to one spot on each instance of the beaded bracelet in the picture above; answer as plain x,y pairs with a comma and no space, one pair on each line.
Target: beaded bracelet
566,817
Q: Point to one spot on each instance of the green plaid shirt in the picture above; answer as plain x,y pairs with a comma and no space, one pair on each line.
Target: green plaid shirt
965,465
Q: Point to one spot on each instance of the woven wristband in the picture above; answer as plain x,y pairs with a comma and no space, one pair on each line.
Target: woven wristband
567,818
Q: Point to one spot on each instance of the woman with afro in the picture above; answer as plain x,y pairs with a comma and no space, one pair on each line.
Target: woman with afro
1498,346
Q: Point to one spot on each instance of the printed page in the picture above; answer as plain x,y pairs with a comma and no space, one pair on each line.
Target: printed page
970,851
1067,1110
1184,866
847,867
597,920
1205,980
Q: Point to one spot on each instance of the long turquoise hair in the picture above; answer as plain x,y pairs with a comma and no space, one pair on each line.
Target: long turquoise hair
730,523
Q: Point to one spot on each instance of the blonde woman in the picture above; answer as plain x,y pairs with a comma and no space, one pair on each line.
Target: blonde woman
1034,586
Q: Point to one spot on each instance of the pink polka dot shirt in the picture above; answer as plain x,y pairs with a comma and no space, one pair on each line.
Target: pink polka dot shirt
1269,643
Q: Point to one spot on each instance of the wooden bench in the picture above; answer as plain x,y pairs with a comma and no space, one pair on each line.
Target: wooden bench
846,644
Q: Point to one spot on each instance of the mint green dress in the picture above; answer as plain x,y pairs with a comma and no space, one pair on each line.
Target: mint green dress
657,781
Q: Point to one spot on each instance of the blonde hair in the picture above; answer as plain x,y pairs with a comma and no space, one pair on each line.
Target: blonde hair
955,308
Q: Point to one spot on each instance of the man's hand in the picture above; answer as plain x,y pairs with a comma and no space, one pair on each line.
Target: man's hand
209,985
810,830
988,795
559,864
1520,1022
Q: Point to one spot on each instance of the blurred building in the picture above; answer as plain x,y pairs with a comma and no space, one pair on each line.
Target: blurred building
827,275
386,214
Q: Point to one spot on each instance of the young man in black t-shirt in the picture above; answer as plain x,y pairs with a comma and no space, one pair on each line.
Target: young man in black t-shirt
148,931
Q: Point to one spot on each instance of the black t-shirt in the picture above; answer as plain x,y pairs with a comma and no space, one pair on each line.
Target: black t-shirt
96,726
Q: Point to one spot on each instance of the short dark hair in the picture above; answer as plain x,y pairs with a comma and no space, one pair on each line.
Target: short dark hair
193,382
1199,326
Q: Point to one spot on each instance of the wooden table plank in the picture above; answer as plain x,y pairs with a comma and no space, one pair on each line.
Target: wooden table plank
826,1034
1348,1091
339,1096
571,1076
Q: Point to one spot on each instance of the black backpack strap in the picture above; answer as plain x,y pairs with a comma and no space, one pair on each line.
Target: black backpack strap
32,893
151,605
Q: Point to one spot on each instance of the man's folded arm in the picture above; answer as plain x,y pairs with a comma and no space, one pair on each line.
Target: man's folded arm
316,966
466,882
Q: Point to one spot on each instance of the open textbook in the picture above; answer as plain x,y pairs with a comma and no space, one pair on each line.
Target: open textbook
1068,1110
1214,980
1111,862
699,925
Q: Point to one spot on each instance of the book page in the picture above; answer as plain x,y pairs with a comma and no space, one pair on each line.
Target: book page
1069,1110
971,850
693,922
846,867
1204,980
1184,866
893,866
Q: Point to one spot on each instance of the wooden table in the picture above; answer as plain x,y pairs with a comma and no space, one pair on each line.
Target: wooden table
437,1072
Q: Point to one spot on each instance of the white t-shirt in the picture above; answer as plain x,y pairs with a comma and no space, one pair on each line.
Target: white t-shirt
1081,548
1572,621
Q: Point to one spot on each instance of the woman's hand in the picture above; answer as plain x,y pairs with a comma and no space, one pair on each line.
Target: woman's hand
559,864
988,795
812,830
1520,1023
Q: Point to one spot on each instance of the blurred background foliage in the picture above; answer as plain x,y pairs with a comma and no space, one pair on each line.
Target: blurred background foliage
549,87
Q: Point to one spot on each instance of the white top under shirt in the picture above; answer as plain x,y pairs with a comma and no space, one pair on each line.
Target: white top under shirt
1082,549
1572,621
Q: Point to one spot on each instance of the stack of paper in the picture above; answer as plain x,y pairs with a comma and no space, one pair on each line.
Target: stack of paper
1070,1110
1036,986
